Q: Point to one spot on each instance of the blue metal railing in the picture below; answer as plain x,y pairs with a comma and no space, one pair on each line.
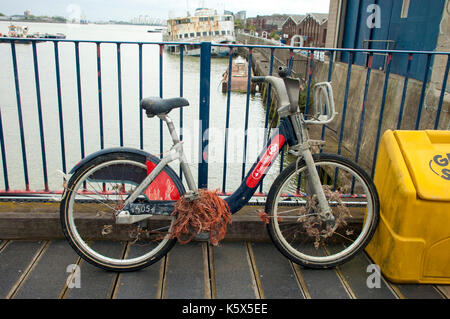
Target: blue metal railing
204,99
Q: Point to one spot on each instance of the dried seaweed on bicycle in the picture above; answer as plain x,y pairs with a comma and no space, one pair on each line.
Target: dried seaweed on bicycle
314,226
265,218
208,213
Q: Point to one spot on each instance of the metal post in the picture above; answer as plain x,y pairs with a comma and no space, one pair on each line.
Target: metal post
141,121
181,109
205,79
405,87
60,112
266,121
100,100
80,102
161,149
308,89
39,107
227,120
19,113
441,98
247,107
380,118
2,145
119,89
424,89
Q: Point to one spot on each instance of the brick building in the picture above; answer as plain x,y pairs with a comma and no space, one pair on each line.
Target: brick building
312,26
290,27
314,29
268,23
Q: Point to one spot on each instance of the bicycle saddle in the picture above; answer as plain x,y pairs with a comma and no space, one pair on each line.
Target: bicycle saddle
156,105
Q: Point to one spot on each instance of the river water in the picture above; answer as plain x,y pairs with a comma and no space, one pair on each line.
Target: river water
110,101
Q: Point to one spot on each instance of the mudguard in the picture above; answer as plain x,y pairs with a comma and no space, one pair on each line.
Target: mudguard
167,185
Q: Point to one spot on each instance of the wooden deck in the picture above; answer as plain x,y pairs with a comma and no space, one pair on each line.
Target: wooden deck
235,270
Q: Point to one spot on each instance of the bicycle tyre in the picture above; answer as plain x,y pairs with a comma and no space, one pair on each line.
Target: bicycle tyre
125,164
306,245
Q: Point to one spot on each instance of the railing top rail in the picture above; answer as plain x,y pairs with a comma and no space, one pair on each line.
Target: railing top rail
330,49
7,39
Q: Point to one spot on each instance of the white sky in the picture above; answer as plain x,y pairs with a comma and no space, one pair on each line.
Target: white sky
127,9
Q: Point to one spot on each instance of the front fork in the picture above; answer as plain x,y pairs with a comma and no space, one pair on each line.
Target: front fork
316,185
303,150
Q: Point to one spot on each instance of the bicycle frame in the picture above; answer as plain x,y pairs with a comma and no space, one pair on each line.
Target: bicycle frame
291,130
283,134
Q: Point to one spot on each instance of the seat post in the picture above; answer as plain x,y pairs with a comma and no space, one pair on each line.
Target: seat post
183,162
171,127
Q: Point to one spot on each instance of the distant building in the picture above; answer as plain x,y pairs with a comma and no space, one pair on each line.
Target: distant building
241,15
312,27
17,17
26,14
268,23
290,27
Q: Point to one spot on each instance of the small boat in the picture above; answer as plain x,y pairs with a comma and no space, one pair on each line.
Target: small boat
239,77
16,31
52,36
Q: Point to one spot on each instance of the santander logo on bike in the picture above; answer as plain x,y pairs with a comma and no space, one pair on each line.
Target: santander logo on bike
265,161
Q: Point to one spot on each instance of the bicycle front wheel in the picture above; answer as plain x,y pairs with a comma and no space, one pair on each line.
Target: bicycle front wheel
93,197
295,225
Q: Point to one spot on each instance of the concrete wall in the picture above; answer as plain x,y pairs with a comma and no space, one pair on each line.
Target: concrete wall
355,102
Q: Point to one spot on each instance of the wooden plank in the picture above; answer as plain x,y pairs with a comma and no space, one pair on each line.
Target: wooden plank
14,260
142,284
275,273
321,283
49,275
232,272
324,283
2,244
445,290
414,291
355,274
185,276
97,283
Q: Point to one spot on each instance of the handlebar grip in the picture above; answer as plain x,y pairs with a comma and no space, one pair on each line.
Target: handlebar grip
258,79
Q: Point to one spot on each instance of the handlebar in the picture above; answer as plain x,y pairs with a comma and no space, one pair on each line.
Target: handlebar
258,79
287,89
283,72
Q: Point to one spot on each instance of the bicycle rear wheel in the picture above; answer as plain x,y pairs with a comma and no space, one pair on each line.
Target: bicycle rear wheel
96,193
295,225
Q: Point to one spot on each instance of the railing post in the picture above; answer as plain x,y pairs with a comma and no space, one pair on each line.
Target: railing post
205,78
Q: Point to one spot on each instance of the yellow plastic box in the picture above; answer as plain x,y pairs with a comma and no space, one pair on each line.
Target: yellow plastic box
412,176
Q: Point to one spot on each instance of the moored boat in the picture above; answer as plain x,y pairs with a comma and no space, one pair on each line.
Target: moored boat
239,77
204,26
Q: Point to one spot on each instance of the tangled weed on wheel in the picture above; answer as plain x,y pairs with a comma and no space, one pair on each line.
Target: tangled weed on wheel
313,224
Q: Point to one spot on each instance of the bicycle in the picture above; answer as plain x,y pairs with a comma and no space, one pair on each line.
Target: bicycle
323,209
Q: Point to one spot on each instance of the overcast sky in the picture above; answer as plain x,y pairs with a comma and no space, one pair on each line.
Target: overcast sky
128,9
